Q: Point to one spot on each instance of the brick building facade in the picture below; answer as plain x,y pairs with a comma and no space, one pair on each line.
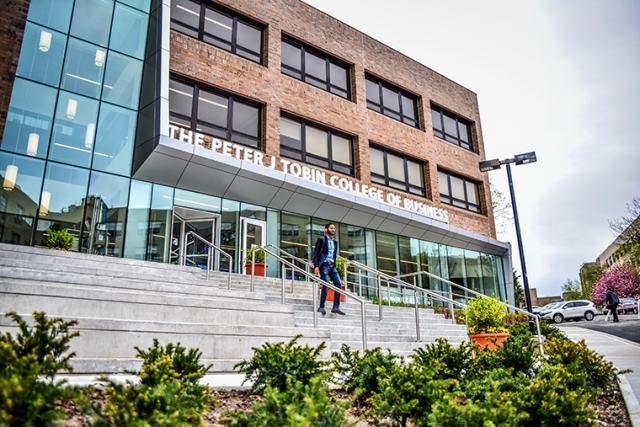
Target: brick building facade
260,114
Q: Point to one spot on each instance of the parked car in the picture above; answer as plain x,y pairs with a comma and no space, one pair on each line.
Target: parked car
578,309
535,309
627,305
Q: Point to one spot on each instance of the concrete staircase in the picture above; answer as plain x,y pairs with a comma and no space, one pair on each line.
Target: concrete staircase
121,303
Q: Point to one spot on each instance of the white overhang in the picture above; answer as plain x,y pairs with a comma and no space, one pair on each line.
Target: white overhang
192,167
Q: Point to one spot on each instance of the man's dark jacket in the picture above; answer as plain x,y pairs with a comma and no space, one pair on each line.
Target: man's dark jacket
321,251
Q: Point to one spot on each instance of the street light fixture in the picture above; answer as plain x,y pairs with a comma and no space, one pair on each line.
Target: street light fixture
519,159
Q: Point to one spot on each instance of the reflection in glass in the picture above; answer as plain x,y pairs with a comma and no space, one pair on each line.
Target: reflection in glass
71,136
68,188
198,201
54,14
106,209
294,238
114,141
122,81
81,74
129,31
138,220
21,179
91,20
41,55
30,112
143,5
229,233
160,216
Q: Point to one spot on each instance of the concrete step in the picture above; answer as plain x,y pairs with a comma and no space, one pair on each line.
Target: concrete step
69,301
107,345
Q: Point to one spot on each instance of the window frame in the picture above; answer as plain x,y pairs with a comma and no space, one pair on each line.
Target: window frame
388,179
329,60
232,99
380,107
346,169
451,199
235,17
453,139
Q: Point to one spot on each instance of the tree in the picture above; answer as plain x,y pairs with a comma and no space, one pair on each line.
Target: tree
502,213
518,290
589,273
571,289
623,280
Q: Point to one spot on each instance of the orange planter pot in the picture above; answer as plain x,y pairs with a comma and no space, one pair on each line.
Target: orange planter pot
489,341
260,269
331,295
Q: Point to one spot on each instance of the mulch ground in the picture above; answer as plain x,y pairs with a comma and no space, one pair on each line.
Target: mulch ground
611,408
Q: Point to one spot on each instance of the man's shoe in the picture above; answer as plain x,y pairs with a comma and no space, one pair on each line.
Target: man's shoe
337,311
322,310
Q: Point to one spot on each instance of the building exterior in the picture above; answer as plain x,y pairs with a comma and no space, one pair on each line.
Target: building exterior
130,123
617,253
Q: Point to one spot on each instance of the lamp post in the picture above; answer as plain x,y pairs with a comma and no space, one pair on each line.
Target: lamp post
520,159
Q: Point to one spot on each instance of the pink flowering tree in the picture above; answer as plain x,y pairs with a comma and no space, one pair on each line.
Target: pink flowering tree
623,280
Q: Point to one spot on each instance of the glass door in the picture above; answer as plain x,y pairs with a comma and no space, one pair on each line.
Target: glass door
254,233
186,248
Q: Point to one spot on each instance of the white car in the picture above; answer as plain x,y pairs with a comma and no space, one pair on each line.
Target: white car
578,309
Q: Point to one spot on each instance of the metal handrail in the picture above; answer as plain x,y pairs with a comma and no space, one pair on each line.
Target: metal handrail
211,246
478,294
315,281
389,279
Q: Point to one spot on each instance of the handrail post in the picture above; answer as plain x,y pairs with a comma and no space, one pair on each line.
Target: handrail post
293,276
379,299
314,285
417,319
360,282
364,326
539,335
453,314
346,284
284,274
253,268
389,293
208,261
229,275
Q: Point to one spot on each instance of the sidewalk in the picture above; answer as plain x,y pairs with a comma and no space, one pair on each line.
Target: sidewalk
624,354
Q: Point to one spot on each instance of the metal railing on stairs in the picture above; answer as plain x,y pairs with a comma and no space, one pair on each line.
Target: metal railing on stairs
209,255
314,282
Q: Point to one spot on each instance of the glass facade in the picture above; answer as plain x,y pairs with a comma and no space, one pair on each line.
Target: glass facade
67,148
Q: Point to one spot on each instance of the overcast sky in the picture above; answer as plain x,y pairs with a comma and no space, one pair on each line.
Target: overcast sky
558,77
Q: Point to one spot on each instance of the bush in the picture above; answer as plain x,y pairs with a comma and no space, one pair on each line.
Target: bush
518,353
274,364
28,363
578,359
300,405
548,331
449,362
59,239
168,393
485,316
359,374
259,257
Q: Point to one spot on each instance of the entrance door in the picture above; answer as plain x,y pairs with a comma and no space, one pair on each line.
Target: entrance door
187,249
254,233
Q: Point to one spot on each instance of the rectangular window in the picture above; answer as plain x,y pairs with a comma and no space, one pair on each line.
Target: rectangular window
392,101
214,113
451,128
314,67
316,145
218,26
459,191
397,171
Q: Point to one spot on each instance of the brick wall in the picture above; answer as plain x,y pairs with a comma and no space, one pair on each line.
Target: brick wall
12,22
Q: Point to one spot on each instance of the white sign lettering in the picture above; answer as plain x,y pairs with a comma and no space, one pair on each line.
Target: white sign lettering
309,173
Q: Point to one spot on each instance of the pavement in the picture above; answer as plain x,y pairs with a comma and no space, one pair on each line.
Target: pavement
623,353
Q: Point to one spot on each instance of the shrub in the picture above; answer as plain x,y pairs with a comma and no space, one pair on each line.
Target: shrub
359,374
59,239
485,316
518,353
274,364
555,399
168,393
450,362
260,255
578,359
28,363
299,405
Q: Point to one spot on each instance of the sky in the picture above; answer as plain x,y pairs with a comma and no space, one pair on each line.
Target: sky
558,77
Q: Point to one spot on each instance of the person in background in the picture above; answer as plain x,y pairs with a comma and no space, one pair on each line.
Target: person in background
612,302
324,263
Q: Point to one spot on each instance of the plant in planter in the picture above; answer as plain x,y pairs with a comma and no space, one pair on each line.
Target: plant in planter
485,320
59,239
259,259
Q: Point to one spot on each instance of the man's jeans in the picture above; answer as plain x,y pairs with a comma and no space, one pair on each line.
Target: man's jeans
329,271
